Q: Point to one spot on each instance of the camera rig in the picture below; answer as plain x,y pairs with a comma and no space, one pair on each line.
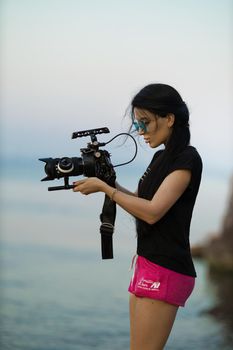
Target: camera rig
93,162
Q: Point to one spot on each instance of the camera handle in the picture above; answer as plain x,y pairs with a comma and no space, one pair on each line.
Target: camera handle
107,218
66,186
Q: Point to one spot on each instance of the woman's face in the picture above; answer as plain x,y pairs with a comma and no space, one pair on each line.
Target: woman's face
157,130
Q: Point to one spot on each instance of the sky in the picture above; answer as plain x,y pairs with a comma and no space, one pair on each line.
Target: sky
70,65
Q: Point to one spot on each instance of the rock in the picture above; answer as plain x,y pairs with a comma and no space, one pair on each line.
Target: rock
218,254
219,249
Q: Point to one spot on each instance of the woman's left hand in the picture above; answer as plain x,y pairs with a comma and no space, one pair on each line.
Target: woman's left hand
89,185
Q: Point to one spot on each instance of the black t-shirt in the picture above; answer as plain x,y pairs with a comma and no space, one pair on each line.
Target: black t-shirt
166,242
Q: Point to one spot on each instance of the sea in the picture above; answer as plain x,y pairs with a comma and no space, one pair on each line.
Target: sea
57,293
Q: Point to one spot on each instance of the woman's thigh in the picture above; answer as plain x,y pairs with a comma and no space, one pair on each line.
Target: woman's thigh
151,322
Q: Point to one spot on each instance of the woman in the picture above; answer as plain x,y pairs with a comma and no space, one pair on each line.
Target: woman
164,273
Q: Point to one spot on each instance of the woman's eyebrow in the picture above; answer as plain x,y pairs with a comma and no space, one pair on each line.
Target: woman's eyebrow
144,118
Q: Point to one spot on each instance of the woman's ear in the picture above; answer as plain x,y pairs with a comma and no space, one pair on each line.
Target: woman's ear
170,120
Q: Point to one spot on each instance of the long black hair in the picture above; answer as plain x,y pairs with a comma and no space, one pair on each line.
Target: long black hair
162,99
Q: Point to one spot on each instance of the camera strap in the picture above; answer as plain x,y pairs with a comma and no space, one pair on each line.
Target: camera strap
107,218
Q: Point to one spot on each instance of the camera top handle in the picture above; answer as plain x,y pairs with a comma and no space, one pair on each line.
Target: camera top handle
92,133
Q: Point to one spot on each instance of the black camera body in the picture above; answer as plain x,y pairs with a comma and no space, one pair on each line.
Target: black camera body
93,162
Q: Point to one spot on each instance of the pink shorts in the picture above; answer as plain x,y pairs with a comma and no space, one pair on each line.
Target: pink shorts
156,282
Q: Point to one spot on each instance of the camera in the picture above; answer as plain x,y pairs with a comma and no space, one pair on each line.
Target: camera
93,162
